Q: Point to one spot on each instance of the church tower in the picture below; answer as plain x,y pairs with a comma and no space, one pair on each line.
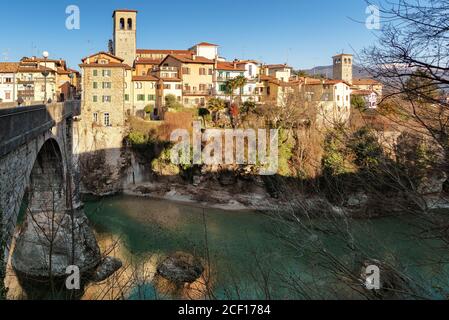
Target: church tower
125,44
343,67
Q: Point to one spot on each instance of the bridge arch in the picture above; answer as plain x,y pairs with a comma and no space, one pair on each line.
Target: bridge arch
46,187
36,173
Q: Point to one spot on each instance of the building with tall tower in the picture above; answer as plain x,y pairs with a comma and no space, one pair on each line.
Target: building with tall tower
343,67
125,42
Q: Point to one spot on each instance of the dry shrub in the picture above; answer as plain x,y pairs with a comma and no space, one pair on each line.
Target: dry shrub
174,121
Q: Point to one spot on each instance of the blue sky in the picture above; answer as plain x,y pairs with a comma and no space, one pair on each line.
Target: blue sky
304,33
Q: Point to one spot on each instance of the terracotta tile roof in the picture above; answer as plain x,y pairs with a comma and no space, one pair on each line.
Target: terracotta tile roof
107,65
269,79
9,67
163,51
224,65
191,59
144,78
73,71
62,71
206,44
35,59
362,92
170,79
315,81
277,66
247,61
102,52
365,82
34,69
147,61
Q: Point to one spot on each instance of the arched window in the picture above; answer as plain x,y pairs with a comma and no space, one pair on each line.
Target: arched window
130,24
122,24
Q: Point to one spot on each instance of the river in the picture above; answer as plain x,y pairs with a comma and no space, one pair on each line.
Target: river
245,253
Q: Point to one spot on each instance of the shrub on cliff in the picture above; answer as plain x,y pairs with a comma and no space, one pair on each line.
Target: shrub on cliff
366,149
334,161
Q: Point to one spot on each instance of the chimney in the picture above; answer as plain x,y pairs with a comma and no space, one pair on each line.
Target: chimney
193,57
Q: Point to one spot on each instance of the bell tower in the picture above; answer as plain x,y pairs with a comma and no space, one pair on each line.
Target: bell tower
343,67
125,44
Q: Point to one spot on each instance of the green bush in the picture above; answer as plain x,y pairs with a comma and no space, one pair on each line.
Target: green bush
172,103
137,139
334,158
286,145
366,149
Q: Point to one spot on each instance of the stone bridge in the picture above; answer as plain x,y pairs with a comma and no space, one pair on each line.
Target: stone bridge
36,160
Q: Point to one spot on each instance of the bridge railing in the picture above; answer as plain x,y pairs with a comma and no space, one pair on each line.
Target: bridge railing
21,124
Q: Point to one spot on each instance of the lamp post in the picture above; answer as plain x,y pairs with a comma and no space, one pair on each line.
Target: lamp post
45,73
71,76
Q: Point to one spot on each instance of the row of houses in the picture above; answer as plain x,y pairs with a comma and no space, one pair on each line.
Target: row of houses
130,81
34,80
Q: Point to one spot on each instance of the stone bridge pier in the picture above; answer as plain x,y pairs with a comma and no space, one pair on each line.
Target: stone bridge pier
36,161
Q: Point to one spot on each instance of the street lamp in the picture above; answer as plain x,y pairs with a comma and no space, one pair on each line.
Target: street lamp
45,73
71,76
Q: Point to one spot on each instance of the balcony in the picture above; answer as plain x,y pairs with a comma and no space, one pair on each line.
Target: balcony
171,69
190,92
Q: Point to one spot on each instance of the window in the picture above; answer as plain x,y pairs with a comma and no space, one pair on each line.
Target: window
95,117
138,85
95,73
140,97
186,101
107,120
222,87
151,97
126,97
179,87
106,73
130,24
250,70
107,99
8,80
94,98
211,71
167,86
7,95
95,85
107,85
185,70
338,97
122,24
202,71
202,87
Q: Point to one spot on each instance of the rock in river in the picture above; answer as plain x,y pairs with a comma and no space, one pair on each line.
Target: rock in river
107,268
46,234
181,268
